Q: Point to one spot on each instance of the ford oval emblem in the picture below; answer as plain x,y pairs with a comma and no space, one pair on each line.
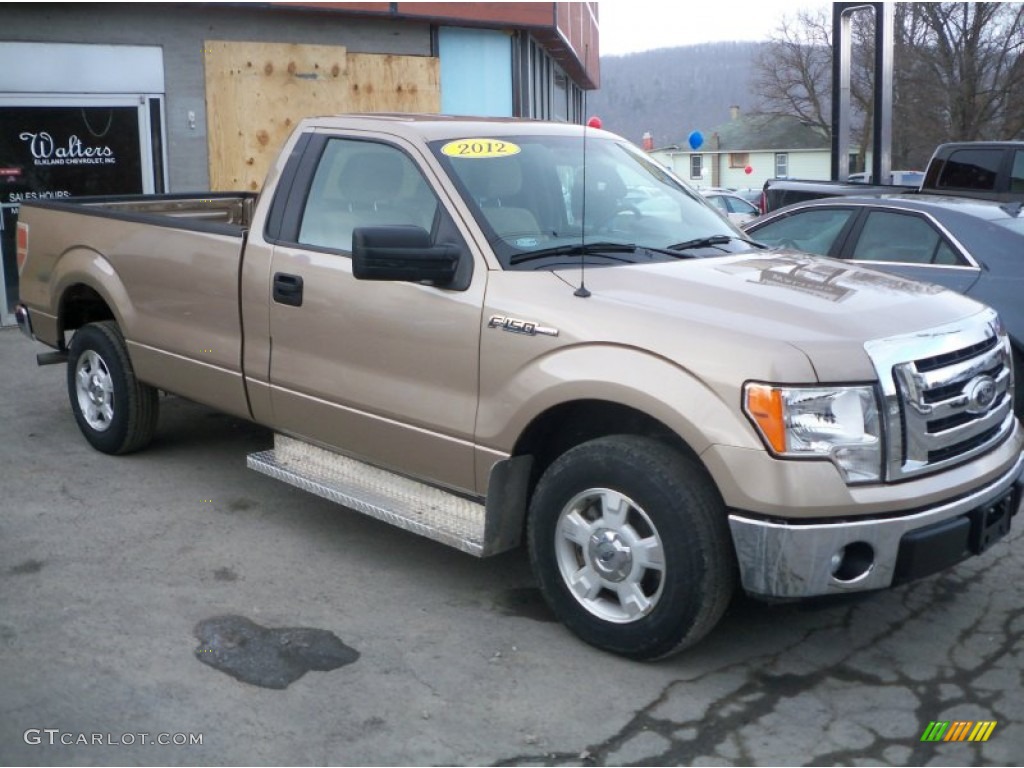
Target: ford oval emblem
981,393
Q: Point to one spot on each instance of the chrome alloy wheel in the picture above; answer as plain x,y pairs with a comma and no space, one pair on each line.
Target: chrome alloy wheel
95,390
610,555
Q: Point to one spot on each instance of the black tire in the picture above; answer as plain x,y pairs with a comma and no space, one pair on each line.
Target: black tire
115,411
576,536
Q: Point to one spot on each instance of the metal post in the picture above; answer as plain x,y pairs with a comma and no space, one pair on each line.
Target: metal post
881,160
841,42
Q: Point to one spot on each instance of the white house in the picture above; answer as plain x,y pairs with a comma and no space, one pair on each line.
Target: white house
749,149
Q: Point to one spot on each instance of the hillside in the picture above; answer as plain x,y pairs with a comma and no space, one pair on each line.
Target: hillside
673,91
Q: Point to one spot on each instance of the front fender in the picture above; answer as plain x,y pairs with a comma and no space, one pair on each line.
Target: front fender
648,383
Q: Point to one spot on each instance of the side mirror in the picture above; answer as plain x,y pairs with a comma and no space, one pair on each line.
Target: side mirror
401,253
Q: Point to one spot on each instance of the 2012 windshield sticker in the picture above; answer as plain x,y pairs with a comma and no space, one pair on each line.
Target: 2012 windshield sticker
478,148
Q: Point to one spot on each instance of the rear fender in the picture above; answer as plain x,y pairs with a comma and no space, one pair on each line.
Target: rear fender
85,266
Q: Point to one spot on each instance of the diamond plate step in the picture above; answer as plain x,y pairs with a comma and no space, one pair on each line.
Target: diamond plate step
408,504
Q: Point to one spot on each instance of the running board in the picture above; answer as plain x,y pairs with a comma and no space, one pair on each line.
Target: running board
401,501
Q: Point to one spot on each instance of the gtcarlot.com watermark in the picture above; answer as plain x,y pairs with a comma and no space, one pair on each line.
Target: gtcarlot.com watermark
55,736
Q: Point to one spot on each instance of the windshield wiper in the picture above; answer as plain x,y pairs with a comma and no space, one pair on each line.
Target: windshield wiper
574,249
589,249
707,242
701,242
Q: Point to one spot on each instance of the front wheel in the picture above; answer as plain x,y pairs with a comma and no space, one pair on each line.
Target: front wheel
115,411
629,541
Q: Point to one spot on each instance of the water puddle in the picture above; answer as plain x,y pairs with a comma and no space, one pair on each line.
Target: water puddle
271,658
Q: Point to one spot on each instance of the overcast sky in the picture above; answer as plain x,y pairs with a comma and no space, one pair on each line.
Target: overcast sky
630,26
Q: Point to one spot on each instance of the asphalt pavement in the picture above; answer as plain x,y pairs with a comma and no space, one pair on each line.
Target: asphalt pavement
144,600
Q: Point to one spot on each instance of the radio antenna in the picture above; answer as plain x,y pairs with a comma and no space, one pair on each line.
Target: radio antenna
582,291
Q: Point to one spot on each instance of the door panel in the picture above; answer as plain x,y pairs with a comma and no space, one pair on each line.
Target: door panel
384,371
911,246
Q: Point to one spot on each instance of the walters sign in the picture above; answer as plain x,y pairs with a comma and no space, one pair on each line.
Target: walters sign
54,152
46,151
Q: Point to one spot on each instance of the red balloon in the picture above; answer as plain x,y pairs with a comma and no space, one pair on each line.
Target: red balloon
748,170
594,122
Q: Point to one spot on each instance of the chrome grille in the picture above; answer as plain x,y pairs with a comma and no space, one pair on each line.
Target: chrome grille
948,394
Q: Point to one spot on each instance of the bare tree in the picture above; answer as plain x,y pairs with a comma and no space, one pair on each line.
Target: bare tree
959,74
794,72
794,69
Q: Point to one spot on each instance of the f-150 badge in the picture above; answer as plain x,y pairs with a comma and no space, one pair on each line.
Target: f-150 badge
514,325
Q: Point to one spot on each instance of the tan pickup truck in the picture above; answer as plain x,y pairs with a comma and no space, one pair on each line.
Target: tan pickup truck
491,331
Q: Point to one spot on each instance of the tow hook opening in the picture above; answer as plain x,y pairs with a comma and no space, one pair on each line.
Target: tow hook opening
852,562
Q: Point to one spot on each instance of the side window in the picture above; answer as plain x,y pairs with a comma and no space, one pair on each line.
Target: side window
902,238
719,202
361,184
737,205
971,169
1017,174
810,231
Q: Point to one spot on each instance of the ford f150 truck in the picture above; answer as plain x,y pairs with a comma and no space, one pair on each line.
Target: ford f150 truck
496,331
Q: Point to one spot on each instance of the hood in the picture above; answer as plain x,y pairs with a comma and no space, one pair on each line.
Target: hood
757,305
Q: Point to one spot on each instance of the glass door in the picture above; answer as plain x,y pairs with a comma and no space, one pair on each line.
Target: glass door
56,146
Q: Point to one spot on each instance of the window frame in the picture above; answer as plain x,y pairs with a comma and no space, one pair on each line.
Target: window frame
842,236
739,159
699,158
945,236
782,157
952,165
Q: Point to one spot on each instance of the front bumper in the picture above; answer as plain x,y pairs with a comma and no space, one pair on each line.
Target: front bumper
21,316
793,560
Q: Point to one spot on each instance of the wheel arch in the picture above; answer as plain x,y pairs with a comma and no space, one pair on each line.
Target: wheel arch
564,426
89,290
81,304
552,433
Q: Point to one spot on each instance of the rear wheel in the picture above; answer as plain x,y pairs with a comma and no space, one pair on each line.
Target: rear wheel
629,541
115,411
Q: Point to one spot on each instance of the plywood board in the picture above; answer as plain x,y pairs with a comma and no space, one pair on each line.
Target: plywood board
257,92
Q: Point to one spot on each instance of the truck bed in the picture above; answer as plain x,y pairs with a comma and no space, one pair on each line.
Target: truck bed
168,263
182,210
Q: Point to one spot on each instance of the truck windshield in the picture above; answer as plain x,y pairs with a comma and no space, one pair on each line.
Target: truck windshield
533,195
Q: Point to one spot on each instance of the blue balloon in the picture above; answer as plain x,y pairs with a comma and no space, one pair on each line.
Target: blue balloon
696,138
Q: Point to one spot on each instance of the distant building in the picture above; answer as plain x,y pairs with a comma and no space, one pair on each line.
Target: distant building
749,149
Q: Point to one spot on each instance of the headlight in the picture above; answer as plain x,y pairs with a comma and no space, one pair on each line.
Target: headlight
839,423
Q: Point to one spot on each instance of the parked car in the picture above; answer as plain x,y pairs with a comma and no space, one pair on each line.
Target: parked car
732,205
900,178
975,247
987,170
778,193
752,196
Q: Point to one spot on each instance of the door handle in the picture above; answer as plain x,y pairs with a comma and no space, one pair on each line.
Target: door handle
288,289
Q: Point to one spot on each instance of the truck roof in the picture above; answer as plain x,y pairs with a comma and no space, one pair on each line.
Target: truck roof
431,127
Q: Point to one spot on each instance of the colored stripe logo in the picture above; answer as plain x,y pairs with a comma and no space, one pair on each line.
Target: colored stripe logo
959,730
